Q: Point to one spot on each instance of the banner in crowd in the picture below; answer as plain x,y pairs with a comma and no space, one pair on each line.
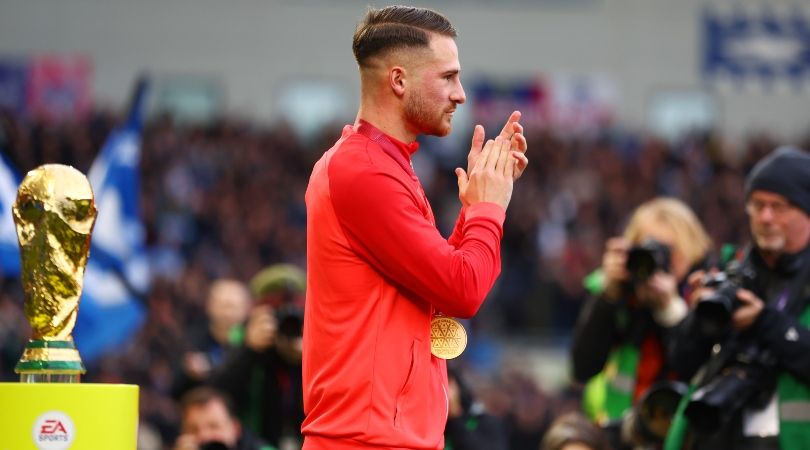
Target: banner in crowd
764,49
13,85
564,102
117,275
51,87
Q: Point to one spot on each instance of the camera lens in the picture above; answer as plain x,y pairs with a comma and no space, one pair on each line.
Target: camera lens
214,445
645,259
713,312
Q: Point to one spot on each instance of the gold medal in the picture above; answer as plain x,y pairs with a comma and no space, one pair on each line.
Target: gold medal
448,339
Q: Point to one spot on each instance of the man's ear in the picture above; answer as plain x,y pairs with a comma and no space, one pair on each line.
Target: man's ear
397,80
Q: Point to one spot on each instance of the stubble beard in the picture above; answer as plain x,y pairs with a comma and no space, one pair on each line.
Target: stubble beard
418,113
773,243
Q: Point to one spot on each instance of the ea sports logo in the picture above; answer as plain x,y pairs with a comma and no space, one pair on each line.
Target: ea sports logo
53,430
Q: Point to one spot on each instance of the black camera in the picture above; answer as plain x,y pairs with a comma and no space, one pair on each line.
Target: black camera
742,373
651,418
290,320
645,259
748,379
647,423
713,311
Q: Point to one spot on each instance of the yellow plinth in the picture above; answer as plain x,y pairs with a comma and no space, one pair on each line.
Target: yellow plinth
56,416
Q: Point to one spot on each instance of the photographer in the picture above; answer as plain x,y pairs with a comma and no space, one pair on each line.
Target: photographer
754,391
263,376
208,423
469,426
210,341
621,334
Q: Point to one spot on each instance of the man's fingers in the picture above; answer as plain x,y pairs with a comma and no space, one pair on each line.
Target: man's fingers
508,129
503,156
511,165
486,153
461,175
494,153
522,160
519,142
478,138
746,296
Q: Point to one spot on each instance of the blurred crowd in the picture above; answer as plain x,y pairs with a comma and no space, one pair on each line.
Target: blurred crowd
224,201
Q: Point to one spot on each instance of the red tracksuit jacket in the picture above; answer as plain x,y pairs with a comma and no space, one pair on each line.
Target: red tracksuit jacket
377,272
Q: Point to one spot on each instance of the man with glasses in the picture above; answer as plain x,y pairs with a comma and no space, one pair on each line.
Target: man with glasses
757,376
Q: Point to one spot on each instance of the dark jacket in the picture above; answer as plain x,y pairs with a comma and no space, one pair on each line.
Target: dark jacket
250,442
602,326
266,391
785,289
474,429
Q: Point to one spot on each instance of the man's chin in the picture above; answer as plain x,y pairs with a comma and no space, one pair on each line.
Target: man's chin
775,245
440,131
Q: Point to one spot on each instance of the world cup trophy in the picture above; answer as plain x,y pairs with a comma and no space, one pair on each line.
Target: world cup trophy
54,214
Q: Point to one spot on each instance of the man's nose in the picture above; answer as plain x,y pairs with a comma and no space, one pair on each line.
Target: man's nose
458,95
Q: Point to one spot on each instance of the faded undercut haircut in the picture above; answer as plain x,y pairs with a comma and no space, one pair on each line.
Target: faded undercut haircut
396,27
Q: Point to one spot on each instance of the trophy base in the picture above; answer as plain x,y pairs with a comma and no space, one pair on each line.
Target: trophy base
50,361
49,378
84,416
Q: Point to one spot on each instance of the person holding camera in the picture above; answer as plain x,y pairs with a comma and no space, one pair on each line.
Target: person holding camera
638,296
208,423
210,341
469,426
751,330
263,375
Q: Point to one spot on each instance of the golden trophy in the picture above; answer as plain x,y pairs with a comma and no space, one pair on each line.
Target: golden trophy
50,410
54,214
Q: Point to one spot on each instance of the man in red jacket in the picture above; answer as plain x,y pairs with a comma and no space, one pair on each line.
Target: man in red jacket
378,271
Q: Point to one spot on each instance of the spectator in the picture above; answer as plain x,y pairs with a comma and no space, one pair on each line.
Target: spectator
469,425
264,374
226,309
208,423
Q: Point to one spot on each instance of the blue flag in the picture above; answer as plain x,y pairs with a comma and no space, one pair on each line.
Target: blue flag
111,309
9,248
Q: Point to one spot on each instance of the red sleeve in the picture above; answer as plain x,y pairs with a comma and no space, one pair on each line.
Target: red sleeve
458,230
383,223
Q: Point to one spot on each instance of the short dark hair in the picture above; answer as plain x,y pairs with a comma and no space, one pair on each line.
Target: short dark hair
571,428
202,395
394,27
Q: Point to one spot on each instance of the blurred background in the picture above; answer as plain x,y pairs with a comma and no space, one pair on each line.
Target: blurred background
205,163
